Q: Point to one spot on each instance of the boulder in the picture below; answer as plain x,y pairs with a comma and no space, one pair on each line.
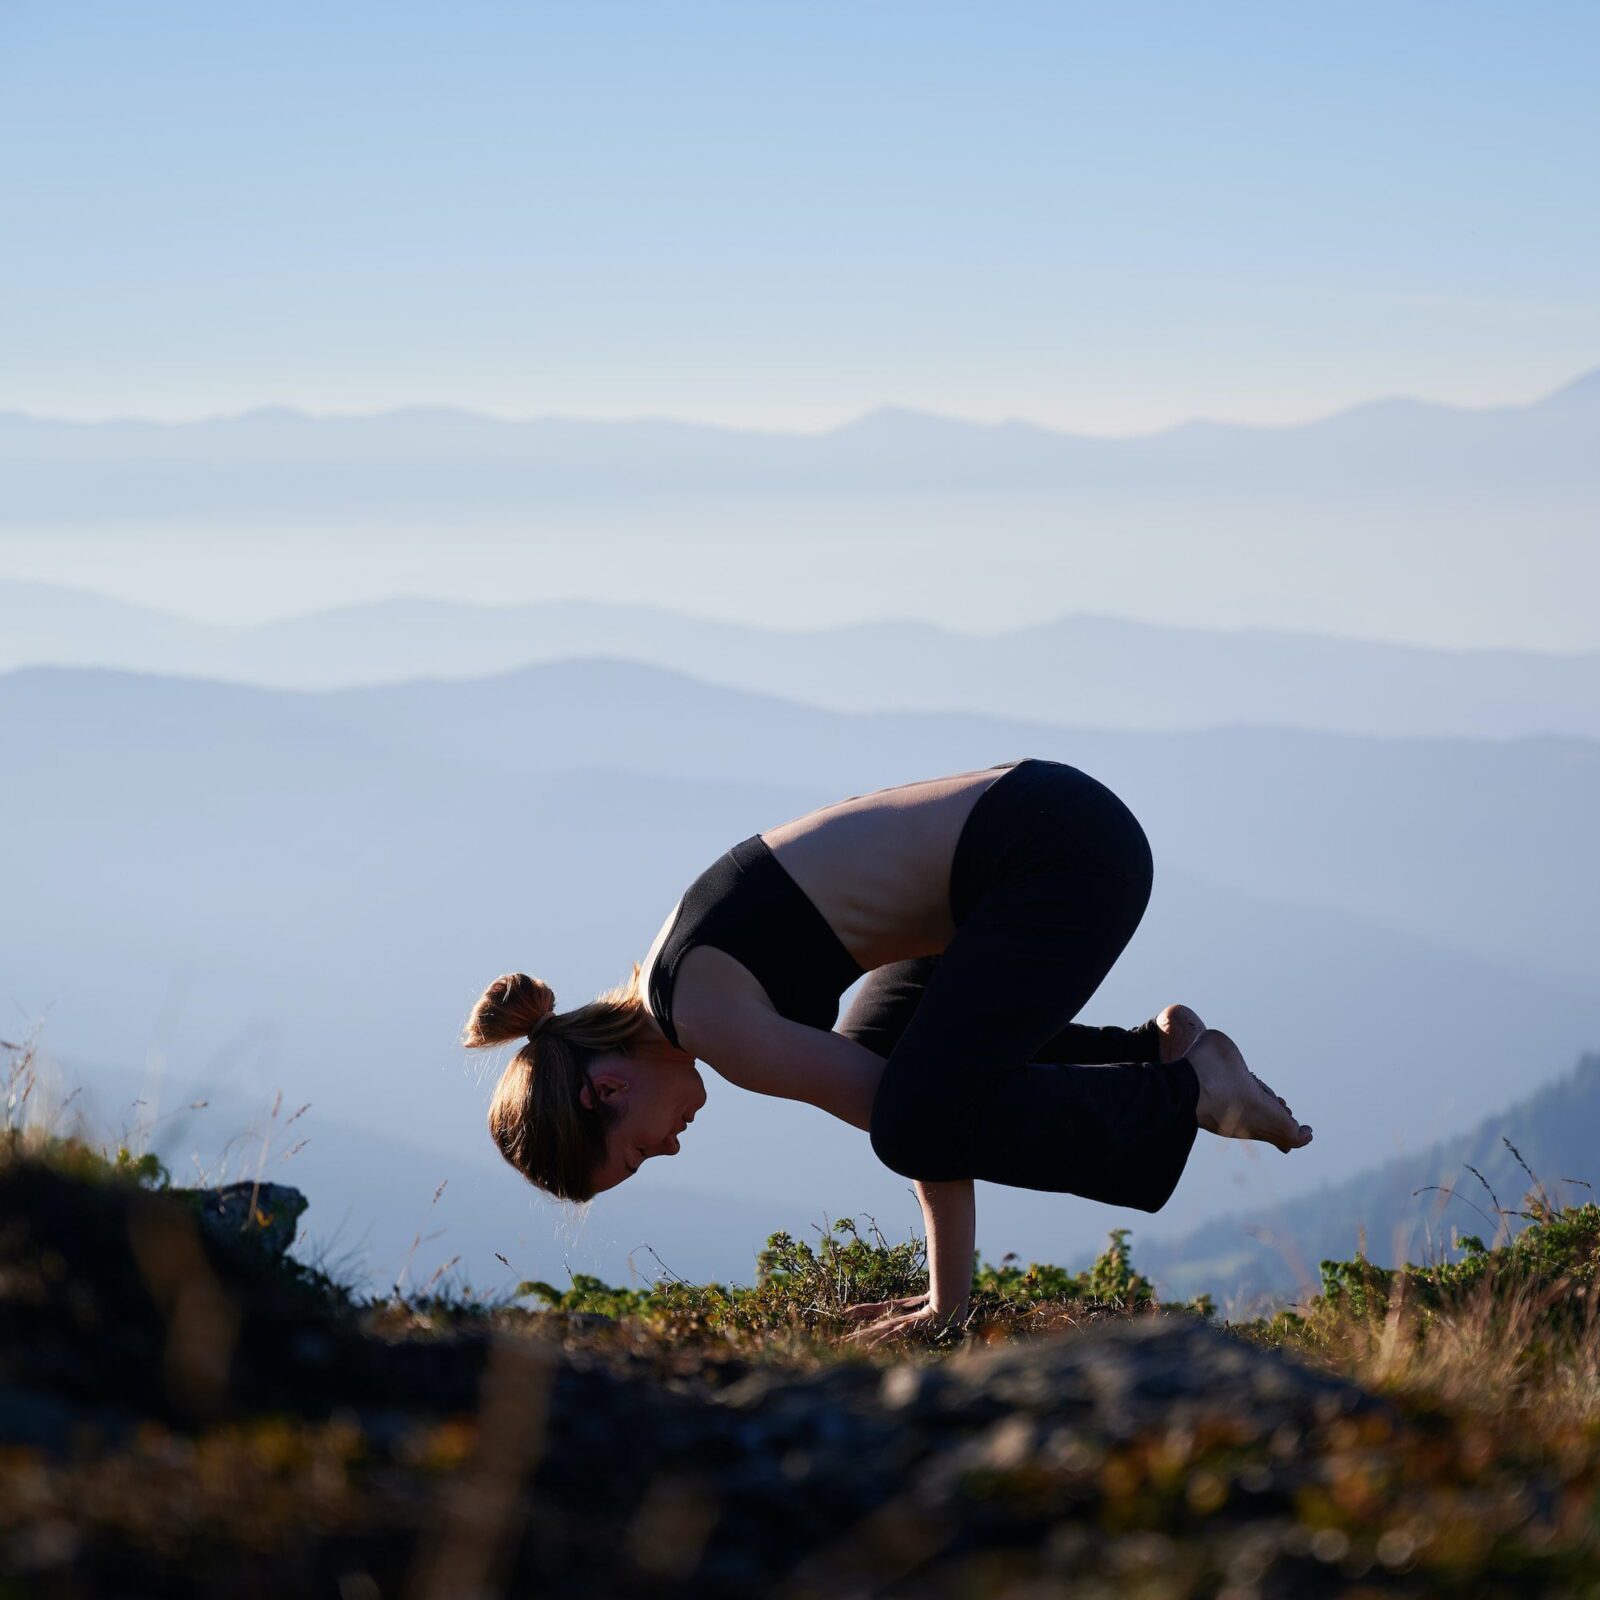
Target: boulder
268,1213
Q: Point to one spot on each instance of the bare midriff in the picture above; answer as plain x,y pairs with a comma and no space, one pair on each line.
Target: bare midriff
877,866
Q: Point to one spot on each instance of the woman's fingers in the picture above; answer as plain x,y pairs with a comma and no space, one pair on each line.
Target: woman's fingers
872,1308
876,1333
872,1333
921,1323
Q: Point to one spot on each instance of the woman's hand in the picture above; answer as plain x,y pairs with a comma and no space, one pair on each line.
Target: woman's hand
867,1310
914,1317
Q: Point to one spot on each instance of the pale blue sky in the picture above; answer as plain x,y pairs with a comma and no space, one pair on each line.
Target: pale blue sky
765,214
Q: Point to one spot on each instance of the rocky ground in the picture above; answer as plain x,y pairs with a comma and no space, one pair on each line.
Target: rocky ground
184,1414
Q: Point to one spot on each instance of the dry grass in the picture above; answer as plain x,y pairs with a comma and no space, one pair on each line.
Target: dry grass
1483,1481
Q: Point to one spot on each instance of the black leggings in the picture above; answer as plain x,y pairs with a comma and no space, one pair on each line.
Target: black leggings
987,1075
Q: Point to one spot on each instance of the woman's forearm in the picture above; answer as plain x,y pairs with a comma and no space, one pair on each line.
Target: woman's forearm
772,1055
950,1210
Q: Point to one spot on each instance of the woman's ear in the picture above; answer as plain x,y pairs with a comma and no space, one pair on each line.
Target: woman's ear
601,1088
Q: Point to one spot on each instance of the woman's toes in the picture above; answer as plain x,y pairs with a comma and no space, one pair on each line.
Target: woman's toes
1235,1103
1273,1092
1298,1134
1281,1127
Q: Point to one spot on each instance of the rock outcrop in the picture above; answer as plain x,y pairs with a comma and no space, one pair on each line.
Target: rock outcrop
268,1213
168,1392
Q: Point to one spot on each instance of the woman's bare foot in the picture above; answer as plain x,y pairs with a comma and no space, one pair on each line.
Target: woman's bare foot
1234,1102
1180,1029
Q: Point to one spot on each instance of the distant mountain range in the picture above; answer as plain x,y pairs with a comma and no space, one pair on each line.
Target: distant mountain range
1375,863
1395,520
275,459
307,891
1393,1210
1084,671
1424,835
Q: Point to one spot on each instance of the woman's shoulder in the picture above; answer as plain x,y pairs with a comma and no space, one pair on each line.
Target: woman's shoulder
712,988
652,957
725,1018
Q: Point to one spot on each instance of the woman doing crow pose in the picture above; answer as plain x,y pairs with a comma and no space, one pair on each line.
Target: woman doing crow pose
983,909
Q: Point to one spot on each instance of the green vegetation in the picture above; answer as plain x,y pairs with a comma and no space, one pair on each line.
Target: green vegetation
1478,1476
1256,1258
801,1289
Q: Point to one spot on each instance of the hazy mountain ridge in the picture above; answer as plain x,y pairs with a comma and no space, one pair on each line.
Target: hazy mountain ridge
314,887
1377,826
1400,519
891,433
1556,1129
278,459
1084,671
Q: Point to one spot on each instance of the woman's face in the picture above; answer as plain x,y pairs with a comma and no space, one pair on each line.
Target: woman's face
656,1096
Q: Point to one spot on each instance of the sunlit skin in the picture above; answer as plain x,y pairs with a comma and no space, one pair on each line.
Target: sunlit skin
877,867
657,1091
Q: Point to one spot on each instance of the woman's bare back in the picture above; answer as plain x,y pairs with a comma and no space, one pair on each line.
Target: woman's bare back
877,866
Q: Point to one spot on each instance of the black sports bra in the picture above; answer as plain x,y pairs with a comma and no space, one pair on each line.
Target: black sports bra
745,903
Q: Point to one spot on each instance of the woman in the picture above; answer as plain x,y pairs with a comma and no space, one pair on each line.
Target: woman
984,909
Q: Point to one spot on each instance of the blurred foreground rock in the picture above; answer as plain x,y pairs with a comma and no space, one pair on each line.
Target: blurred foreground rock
1150,1456
269,1213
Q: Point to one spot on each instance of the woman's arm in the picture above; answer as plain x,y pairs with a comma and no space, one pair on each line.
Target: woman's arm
749,1044
950,1210
745,1041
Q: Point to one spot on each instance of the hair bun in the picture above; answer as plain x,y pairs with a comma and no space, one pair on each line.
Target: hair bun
512,1005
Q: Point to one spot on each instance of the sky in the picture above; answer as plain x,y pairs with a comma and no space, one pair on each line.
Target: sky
782,215
777,215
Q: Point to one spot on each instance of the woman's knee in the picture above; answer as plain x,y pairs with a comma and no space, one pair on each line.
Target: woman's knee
1149,862
891,1147
893,1139
915,1146
1136,869
1139,865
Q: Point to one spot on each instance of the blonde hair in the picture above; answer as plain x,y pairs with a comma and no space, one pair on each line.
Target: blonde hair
537,1118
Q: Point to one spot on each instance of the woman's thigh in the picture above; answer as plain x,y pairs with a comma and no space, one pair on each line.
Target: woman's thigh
1024,960
1054,845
